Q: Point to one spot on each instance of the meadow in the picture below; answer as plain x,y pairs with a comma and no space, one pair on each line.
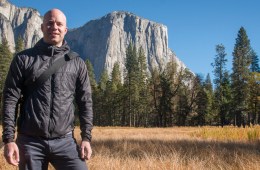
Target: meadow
177,148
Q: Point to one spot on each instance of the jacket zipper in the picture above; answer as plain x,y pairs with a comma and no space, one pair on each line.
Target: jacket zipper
51,126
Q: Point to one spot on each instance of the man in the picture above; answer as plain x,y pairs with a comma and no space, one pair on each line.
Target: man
45,124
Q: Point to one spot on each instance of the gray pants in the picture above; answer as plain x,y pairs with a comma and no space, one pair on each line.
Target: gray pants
36,153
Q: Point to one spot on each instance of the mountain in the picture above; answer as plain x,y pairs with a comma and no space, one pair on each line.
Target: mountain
24,22
103,41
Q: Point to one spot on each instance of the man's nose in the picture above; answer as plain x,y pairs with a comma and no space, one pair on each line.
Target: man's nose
55,26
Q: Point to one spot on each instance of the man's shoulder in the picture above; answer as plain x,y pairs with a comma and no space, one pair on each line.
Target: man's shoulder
27,52
72,55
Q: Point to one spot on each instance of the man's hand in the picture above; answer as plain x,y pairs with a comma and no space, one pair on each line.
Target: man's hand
11,153
86,150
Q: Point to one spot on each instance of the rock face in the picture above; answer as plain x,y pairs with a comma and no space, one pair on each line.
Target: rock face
103,41
24,22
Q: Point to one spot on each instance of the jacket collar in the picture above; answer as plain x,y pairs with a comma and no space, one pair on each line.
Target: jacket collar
47,50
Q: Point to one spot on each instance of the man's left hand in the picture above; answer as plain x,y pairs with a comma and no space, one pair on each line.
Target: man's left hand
86,150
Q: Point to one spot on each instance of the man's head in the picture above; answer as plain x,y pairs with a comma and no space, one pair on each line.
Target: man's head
54,27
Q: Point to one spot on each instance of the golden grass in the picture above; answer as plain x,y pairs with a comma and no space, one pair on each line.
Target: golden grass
229,133
184,148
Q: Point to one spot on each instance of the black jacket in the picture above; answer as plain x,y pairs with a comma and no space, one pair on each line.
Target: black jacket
48,110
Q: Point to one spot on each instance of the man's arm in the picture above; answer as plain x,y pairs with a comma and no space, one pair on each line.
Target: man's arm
84,102
11,94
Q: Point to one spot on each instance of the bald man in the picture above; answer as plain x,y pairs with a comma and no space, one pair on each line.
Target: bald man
46,120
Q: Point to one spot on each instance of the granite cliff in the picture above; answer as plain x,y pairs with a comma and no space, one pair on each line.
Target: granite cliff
104,41
24,22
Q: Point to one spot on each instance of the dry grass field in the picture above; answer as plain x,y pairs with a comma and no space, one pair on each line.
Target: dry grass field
178,148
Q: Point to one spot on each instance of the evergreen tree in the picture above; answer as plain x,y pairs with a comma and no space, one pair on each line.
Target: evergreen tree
254,97
115,94
165,100
156,93
219,65
254,86
19,45
116,77
172,78
240,77
187,94
208,84
101,101
226,100
142,104
5,58
96,94
91,75
254,62
131,83
201,102
183,108
208,88
220,71
103,81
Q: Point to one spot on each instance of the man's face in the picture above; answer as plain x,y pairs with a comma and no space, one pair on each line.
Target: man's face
54,27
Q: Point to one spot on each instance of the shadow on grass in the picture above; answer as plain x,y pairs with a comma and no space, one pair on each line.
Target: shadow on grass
188,148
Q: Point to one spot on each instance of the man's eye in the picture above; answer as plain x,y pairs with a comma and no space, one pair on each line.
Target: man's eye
59,24
50,23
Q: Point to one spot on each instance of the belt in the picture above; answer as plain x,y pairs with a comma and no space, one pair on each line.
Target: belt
69,134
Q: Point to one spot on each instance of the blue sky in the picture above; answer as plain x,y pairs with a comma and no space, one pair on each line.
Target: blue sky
195,27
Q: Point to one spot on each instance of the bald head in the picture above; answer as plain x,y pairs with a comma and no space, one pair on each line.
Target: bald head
54,27
54,12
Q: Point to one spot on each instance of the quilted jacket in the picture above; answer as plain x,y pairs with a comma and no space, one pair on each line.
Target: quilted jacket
48,110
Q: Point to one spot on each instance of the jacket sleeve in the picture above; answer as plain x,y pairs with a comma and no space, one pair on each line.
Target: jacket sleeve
11,94
84,101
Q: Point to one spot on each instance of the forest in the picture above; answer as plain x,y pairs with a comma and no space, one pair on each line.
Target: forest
171,96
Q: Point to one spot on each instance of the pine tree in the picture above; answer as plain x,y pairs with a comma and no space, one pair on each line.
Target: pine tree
182,106
156,93
165,100
91,75
254,97
142,103
187,98
131,82
5,58
254,87
226,100
240,77
101,101
171,81
220,71
116,77
103,81
219,65
254,62
208,88
115,93
19,45
202,102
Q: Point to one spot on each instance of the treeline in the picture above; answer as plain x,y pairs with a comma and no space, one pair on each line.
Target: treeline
173,96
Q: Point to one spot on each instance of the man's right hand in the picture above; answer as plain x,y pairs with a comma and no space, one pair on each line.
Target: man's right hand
11,153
